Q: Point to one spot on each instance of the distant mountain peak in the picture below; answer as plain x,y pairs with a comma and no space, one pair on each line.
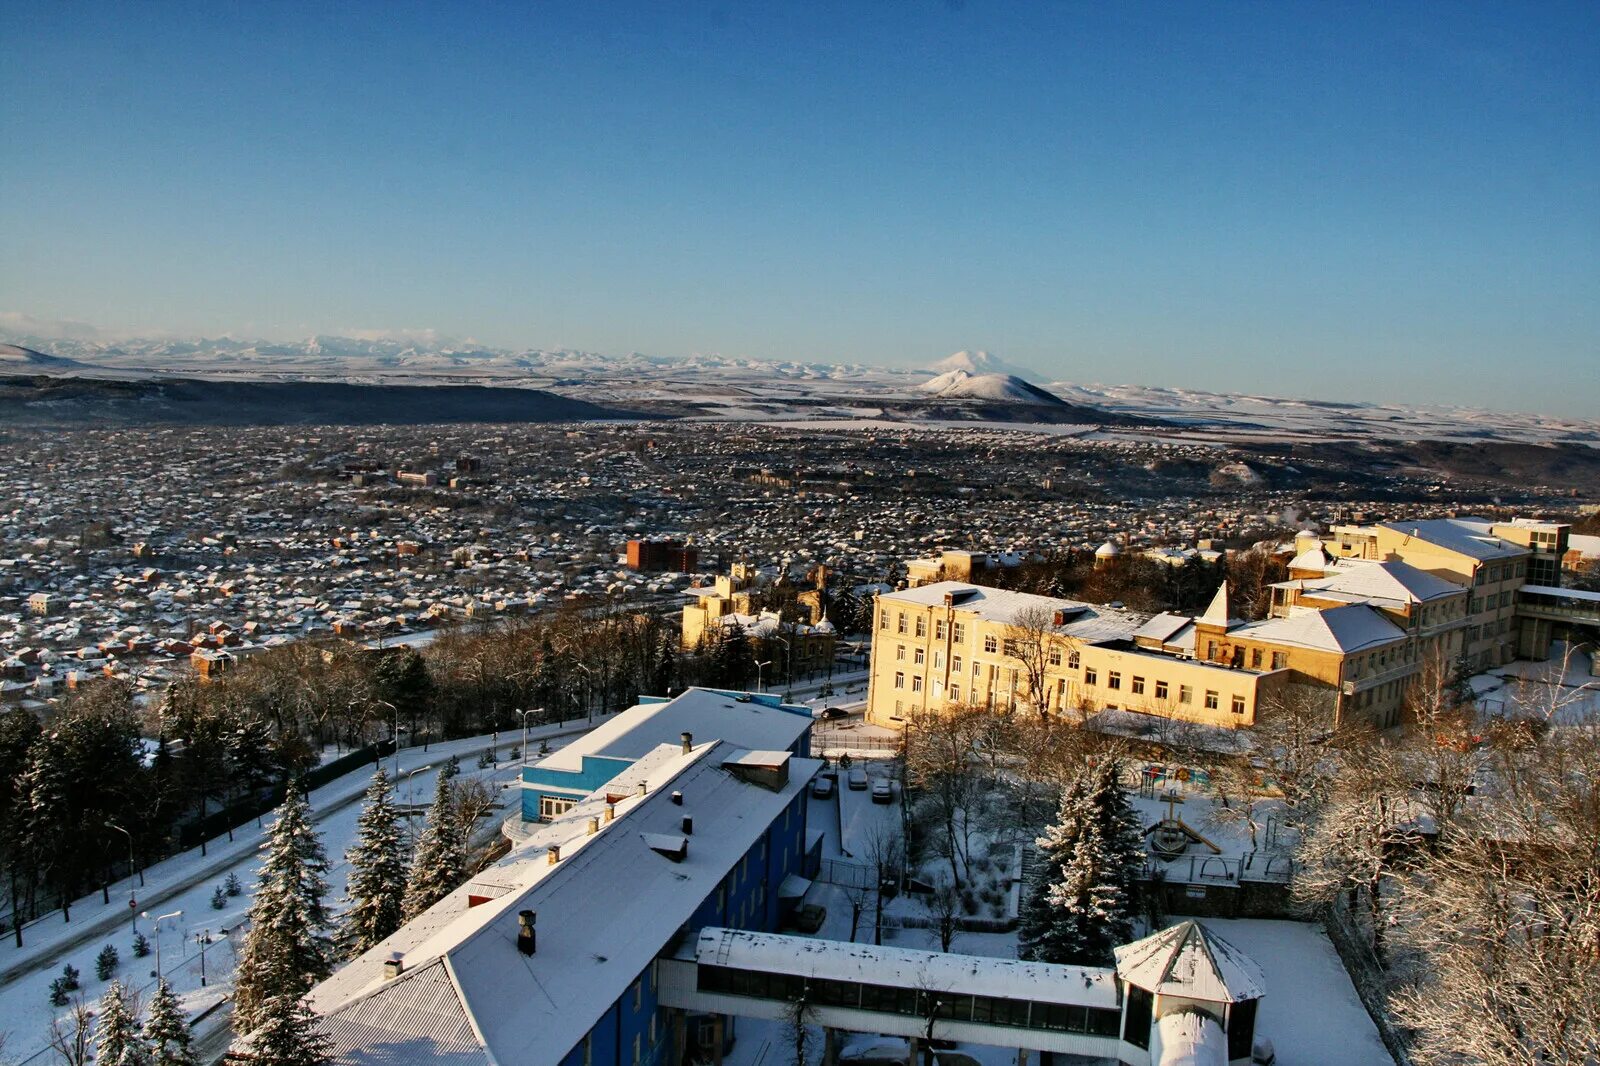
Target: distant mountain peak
961,384
978,363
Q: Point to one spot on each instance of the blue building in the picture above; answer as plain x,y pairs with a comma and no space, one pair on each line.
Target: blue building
551,955
557,782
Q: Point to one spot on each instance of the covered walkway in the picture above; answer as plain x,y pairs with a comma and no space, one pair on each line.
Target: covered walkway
925,995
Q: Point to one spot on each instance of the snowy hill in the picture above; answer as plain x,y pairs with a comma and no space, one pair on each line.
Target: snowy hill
16,357
981,363
743,387
961,384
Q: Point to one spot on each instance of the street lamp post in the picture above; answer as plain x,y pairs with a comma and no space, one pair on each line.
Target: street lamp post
524,714
133,904
158,919
761,664
203,938
788,664
394,736
588,690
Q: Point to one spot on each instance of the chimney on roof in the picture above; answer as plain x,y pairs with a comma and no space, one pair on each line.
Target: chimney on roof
688,741
688,825
526,938
677,798
949,599
594,826
611,812
644,788
554,853
394,965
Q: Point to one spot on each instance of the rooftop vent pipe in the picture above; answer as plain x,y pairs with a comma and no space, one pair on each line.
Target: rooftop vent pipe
555,854
394,965
688,825
526,937
688,741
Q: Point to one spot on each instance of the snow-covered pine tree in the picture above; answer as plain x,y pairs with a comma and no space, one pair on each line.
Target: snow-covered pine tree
441,862
377,885
1040,933
166,1031
117,1039
1082,901
289,947
287,1035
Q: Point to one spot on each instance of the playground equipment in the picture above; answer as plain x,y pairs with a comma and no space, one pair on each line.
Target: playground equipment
1171,836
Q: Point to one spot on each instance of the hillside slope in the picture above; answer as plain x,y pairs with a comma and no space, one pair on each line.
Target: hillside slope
39,400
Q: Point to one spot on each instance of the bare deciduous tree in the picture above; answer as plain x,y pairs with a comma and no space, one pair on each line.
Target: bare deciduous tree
72,1034
1030,639
939,765
1497,930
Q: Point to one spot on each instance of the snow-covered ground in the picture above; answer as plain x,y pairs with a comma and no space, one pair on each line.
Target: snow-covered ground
25,1010
1311,1012
1561,689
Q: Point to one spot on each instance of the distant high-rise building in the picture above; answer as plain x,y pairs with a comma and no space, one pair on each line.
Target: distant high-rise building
662,556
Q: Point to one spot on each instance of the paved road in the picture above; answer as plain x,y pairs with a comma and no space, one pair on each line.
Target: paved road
224,861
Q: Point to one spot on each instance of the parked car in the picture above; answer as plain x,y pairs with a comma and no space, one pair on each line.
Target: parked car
882,791
877,1051
830,714
809,918
822,787
858,779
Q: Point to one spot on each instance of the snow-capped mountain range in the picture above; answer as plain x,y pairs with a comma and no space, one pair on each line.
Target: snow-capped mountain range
722,386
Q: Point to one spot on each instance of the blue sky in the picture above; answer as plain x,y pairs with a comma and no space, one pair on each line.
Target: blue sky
1394,201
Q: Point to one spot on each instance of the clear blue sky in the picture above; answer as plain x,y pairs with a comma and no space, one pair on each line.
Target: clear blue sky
1374,201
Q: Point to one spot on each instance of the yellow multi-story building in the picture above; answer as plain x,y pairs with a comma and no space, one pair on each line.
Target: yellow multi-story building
1361,630
1493,560
952,643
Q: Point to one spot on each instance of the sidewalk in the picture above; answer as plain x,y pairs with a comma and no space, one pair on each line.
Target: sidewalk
48,938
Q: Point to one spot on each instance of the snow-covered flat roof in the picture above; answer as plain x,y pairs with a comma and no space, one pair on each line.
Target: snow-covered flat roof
603,913
1461,537
707,714
1040,982
1085,621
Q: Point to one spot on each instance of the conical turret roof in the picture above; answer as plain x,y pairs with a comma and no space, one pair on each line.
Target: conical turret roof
1190,960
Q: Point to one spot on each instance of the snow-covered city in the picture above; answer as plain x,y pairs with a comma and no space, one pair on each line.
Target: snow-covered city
826,534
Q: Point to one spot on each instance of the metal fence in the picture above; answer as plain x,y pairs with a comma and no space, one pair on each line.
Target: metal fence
847,874
825,740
